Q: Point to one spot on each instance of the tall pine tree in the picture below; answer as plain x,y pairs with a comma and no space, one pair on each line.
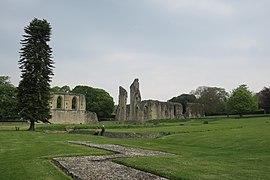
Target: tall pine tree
37,70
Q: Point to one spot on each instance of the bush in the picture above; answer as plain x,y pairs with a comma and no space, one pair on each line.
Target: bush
205,122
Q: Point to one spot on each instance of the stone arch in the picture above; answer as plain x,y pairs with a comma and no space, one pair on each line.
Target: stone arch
166,111
145,112
59,102
137,113
74,103
174,111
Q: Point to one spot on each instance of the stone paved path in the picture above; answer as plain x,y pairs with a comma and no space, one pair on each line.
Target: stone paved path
101,167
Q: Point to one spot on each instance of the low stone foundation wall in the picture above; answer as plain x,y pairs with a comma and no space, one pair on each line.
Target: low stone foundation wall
120,134
102,167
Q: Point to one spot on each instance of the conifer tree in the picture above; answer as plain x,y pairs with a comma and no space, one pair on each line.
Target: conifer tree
37,70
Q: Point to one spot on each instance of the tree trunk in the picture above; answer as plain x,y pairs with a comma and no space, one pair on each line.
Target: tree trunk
32,126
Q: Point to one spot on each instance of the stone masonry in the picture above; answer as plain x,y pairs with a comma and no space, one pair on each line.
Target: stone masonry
102,167
122,105
135,100
68,108
194,110
139,111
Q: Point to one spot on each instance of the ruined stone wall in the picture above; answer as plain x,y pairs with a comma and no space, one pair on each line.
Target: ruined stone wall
67,117
70,109
90,118
64,101
140,111
128,112
194,110
153,109
121,112
135,99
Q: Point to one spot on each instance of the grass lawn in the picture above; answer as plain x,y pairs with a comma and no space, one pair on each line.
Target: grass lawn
226,148
27,155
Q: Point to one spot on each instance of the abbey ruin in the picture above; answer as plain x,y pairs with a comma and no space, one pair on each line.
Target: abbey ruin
139,111
67,108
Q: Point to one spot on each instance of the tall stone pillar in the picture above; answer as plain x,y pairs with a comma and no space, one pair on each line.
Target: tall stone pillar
135,99
121,113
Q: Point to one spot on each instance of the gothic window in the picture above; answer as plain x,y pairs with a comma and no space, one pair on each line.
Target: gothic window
59,102
174,111
166,113
136,112
74,103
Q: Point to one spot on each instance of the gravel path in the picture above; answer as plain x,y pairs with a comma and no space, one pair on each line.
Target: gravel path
101,167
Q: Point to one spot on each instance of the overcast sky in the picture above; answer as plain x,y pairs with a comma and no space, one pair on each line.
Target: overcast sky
172,46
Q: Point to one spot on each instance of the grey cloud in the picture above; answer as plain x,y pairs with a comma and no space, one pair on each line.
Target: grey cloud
172,46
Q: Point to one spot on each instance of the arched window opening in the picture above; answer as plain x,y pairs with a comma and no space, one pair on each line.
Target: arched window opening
59,102
136,112
74,103
145,112
175,111
166,113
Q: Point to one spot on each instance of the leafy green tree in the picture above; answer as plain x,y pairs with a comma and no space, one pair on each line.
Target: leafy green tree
8,98
213,98
184,99
55,89
264,99
241,101
97,100
65,89
256,97
36,66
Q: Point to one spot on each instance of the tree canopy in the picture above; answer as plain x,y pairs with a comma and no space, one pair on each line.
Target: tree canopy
97,100
37,70
241,101
264,99
213,98
8,98
65,89
184,99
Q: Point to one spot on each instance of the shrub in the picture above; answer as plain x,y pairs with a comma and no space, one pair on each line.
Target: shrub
205,122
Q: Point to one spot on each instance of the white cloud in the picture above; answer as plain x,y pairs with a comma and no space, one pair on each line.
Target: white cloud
174,45
213,7
244,42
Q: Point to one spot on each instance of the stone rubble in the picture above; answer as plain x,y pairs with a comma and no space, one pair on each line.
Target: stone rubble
101,167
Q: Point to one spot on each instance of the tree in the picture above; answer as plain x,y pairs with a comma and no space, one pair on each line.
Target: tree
264,99
8,98
184,99
36,67
65,89
241,101
213,98
97,100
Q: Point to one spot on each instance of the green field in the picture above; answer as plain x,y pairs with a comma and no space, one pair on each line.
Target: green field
225,148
